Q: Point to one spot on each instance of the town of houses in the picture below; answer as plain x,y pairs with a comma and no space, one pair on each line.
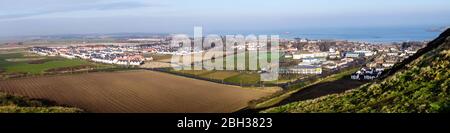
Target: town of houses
132,55
97,53
314,56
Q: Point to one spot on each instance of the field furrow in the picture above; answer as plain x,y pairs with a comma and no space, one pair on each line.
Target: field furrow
134,91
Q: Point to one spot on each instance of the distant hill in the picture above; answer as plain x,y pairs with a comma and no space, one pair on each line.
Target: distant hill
417,84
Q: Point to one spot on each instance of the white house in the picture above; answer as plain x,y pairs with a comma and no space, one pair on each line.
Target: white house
388,64
303,55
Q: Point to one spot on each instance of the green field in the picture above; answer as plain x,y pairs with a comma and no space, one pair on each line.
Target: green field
232,76
220,75
193,72
247,56
227,76
23,62
245,78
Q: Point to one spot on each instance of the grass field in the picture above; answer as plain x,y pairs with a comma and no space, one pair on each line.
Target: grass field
247,56
245,78
135,91
22,62
220,75
235,77
194,72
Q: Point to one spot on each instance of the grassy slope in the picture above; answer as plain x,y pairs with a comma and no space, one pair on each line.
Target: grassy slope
17,104
420,86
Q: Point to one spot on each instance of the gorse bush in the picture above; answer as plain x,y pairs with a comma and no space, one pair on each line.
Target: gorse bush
17,104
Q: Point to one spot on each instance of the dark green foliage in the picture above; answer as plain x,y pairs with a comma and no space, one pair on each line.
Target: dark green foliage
18,104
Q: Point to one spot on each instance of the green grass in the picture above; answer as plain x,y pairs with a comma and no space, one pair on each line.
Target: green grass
39,68
220,75
245,78
247,56
345,73
227,76
236,77
193,72
49,63
232,76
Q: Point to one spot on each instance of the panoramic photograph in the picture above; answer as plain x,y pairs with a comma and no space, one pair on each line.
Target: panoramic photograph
269,60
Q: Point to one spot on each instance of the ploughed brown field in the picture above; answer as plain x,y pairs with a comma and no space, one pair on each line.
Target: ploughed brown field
134,91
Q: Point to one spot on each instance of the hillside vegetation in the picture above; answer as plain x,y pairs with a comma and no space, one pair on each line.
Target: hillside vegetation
418,84
18,104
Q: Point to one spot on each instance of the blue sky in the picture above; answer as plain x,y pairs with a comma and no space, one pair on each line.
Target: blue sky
44,17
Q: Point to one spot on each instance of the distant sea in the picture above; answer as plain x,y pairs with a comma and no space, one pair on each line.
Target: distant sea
372,35
380,35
